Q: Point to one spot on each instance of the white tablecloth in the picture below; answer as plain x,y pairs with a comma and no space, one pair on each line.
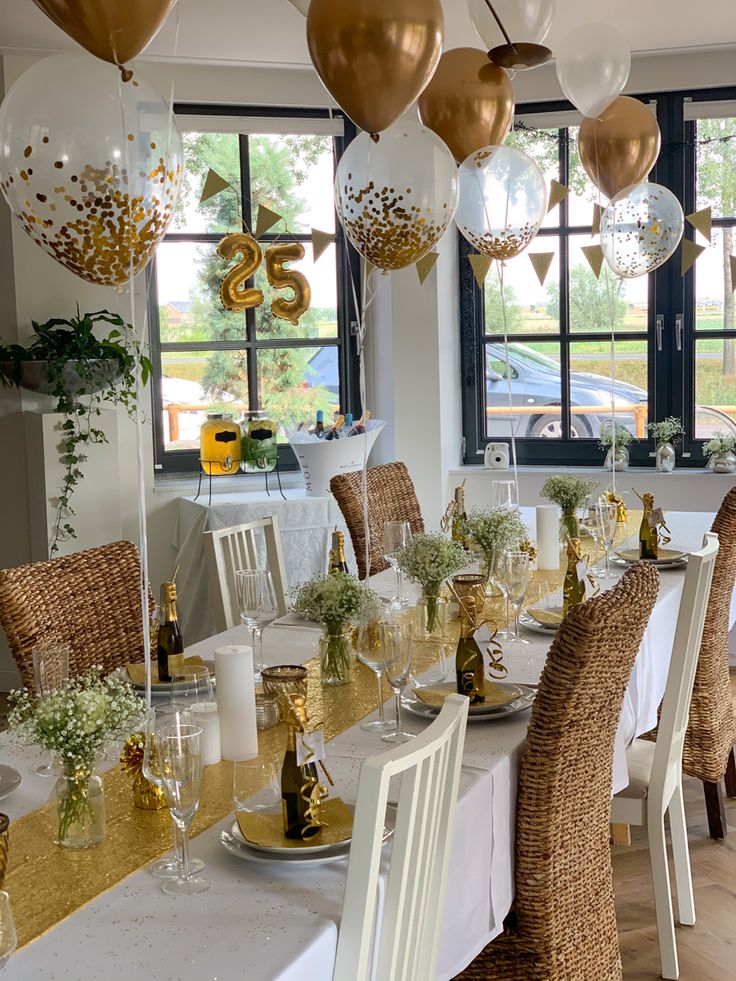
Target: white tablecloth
305,525
267,923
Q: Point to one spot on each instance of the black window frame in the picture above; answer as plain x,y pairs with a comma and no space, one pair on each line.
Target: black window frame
183,461
670,374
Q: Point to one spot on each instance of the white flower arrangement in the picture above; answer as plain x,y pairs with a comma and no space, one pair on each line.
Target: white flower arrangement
334,600
429,559
608,430
496,528
669,430
720,442
567,491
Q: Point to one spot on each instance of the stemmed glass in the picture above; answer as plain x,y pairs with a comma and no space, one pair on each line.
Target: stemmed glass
396,534
258,608
159,717
592,524
8,936
178,748
396,654
50,671
369,652
514,574
609,522
496,579
503,494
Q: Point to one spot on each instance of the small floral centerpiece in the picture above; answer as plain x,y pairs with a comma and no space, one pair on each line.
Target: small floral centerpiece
336,601
721,452
569,493
76,724
666,434
495,530
615,438
428,560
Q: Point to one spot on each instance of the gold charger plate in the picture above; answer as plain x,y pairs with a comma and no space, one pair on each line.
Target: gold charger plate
498,696
137,673
666,556
264,829
548,618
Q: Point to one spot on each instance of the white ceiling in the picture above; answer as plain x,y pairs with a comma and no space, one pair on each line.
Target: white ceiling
271,32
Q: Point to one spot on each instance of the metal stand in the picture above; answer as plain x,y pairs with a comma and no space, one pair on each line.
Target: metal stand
235,473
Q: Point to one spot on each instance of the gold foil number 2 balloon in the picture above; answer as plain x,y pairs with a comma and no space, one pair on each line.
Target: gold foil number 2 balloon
235,298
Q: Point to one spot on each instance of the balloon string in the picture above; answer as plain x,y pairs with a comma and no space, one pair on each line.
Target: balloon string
508,381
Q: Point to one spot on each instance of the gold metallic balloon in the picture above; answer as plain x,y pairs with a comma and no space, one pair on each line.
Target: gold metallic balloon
620,147
231,294
114,30
375,57
469,103
281,279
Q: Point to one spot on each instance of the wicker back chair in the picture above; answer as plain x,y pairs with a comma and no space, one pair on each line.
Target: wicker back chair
564,924
88,601
391,497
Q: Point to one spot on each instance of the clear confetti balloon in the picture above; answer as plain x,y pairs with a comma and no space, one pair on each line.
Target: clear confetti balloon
396,198
90,165
503,201
640,229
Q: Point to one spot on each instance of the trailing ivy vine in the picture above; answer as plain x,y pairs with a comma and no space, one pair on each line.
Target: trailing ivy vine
104,373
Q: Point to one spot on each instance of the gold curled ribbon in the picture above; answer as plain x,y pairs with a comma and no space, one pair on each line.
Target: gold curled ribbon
447,517
494,649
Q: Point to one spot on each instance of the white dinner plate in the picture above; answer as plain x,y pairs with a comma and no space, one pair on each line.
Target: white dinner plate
659,563
316,849
531,624
163,687
415,707
238,848
10,780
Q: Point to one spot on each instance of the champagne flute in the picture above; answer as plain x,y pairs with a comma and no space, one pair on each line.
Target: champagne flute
396,653
368,650
50,671
496,578
609,522
178,748
592,524
157,717
515,577
396,534
258,608
8,936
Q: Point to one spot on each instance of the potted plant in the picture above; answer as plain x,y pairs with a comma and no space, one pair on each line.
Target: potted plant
429,560
82,373
495,530
569,493
617,457
666,434
721,452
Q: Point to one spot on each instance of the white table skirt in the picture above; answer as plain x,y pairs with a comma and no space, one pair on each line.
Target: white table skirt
266,923
305,525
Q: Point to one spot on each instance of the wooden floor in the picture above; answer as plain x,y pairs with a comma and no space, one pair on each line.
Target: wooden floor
707,950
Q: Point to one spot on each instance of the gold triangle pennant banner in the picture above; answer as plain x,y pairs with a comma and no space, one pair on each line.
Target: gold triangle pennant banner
481,264
690,252
557,193
213,184
702,221
732,259
320,242
425,266
541,262
597,215
594,257
266,220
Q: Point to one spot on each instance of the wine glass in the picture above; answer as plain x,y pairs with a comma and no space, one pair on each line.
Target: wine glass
592,524
50,671
609,522
396,534
368,650
396,654
503,494
8,937
258,607
514,573
178,748
157,717
191,685
496,579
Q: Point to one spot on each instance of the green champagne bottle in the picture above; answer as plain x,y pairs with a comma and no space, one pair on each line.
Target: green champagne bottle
169,643
573,590
648,537
298,783
459,517
337,561
469,667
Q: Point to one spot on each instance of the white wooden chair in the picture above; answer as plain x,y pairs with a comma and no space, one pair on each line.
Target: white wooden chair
230,549
655,769
408,937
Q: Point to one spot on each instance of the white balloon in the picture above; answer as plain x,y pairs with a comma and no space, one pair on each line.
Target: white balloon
593,65
503,201
524,20
395,198
640,229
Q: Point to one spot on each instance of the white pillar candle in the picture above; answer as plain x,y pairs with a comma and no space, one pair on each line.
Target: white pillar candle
548,537
206,717
236,702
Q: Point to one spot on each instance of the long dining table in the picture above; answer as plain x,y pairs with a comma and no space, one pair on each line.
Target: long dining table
278,922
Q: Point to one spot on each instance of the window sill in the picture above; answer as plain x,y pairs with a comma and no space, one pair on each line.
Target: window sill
645,471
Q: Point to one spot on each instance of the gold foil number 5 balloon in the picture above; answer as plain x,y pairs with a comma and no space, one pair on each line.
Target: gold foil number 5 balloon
234,297
282,279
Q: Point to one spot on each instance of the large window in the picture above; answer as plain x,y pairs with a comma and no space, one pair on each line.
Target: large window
210,359
675,338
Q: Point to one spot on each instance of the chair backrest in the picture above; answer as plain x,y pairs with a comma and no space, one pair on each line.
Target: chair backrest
673,718
89,601
230,549
710,731
408,936
564,889
391,497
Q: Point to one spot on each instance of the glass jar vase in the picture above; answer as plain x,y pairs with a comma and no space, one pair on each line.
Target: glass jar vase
665,458
431,616
336,655
80,798
569,526
617,459
723,462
